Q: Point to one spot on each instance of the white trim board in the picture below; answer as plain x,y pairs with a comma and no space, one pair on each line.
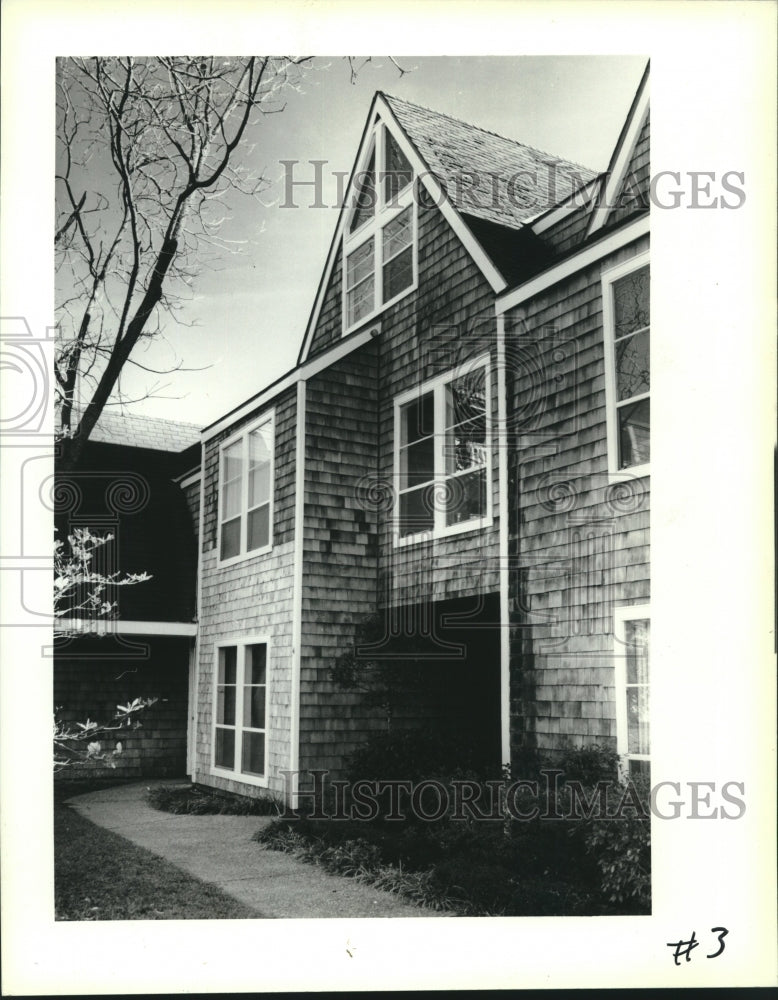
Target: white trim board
300,374
82,626
423,173
571,265
622,155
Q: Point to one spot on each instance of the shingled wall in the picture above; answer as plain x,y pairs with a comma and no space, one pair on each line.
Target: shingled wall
579,539
250,597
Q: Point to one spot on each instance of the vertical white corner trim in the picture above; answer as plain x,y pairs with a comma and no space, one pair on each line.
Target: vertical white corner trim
297,598
192,729
503,505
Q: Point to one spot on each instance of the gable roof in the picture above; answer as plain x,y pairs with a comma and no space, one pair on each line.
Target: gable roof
445,154
152,433
455,151
619,163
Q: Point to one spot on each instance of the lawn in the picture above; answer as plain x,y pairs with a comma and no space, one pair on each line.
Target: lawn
99,875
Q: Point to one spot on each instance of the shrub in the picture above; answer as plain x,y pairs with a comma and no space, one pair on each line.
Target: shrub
194,801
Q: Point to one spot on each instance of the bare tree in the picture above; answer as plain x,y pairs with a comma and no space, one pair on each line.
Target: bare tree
146,148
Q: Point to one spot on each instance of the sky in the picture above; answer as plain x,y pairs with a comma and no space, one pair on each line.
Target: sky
245,321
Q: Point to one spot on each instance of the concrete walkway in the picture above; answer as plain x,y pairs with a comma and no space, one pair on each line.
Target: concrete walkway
219,850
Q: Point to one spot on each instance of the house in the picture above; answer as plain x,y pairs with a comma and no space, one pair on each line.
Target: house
134,484
461,455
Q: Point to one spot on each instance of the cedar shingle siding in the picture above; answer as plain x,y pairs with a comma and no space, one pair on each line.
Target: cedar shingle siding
578,538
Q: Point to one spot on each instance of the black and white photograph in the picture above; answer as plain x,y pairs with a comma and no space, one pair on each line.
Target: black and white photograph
329,512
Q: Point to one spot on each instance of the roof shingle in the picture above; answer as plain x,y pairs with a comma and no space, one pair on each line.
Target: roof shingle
479,169
153,433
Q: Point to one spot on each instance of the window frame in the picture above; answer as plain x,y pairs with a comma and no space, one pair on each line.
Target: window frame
242,435
608,278
437,386
241,644
621,616
385,212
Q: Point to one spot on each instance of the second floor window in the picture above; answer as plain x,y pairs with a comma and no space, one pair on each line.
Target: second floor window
442,455
246,492
627,315
378,246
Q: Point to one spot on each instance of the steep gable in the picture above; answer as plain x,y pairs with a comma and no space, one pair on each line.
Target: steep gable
484,174
486,187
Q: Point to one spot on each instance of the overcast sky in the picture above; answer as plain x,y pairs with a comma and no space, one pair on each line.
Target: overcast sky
250,315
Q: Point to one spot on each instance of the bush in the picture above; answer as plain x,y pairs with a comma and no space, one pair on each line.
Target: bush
193,801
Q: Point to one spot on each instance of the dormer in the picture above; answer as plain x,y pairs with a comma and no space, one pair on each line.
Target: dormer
379,239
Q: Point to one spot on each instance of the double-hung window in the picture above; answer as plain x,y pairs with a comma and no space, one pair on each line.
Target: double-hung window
246,492
632,629
380,239
442,455
240,711
627,322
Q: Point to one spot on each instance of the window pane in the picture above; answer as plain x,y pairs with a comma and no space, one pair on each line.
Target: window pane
398,234
631,302
256,664
361,301
466,397
640,769
636,636
230,539
225,748
633,373
228,660
254,707
253,757
359,264
637,720
259,485
225,705
231,500
417,463
260,445
399,173
232,462
417,419
398,274
366,197
258,528
466,445
416,512
466,497
634,433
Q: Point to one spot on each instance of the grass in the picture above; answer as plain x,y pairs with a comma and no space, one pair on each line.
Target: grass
99,875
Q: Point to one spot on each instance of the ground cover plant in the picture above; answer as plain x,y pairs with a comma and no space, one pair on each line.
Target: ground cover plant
195,801
557,864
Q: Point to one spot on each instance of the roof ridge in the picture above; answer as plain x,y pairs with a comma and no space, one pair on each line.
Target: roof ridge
486,131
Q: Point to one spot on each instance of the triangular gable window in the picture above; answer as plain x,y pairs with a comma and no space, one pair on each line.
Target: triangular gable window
379,247
399,172
366,198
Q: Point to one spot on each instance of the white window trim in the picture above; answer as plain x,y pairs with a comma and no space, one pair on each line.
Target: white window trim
608,277
241,644
374,227
621,616
267,418
434,385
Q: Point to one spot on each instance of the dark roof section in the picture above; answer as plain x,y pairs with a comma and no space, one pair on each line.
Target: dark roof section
476,167
152,433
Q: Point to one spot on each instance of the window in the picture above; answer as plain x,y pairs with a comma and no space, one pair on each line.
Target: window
240,711
379,245
627,321
442,455
246,493
632,628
